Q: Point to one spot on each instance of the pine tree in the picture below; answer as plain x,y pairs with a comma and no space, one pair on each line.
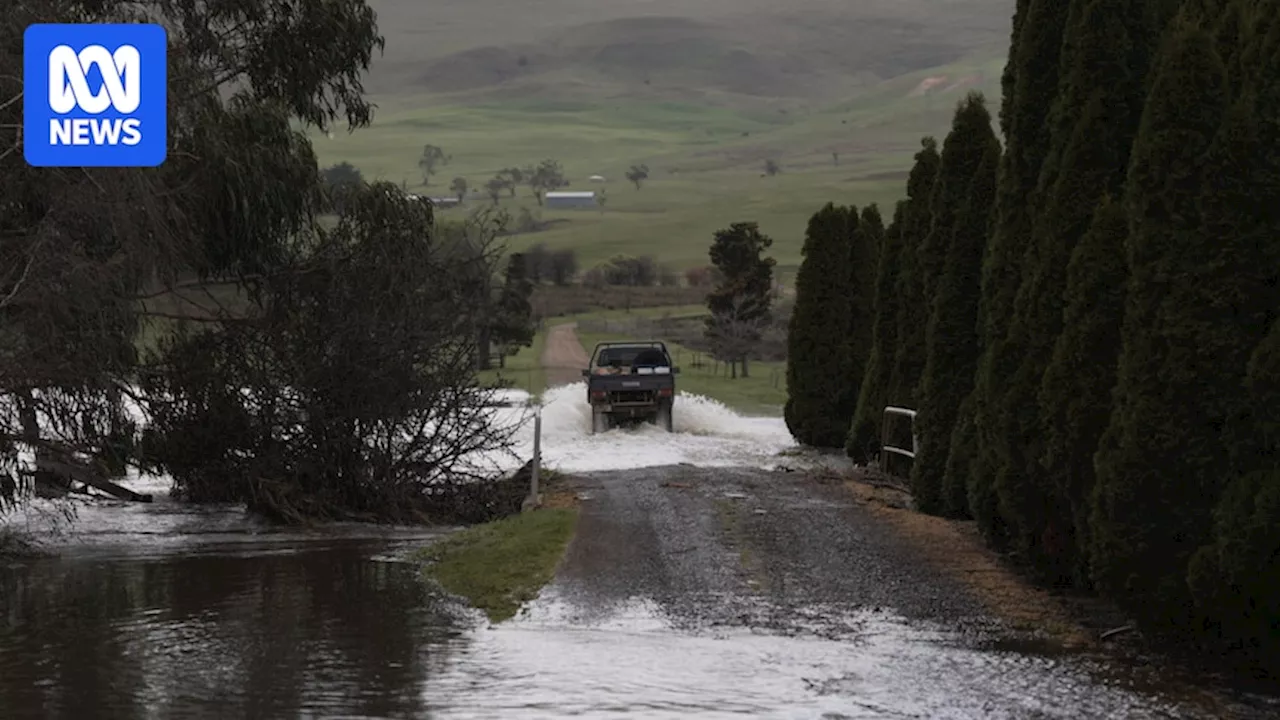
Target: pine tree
1075,393
863,438
913,315
1160,462
1095,119
818,363
866,237
1030,84
1234,578
964,197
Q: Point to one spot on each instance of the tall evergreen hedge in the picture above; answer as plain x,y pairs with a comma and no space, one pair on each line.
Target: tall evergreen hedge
1160,464
1075,392
1095,119
818,362
864,433
963,200
865,241
1031,83
913,311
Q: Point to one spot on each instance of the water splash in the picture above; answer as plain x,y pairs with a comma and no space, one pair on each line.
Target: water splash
706,433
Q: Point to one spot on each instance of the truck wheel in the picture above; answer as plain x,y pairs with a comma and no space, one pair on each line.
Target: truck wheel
599,422
663,418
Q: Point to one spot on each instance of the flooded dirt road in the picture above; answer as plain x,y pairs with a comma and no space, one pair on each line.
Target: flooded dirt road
730,592
703,583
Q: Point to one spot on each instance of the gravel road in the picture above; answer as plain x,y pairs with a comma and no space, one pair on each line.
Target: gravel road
747,547
563,357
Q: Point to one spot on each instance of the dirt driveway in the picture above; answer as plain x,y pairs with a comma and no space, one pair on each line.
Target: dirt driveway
747,547
563,358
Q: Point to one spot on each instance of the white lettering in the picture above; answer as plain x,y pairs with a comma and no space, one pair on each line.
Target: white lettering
94,131
121,79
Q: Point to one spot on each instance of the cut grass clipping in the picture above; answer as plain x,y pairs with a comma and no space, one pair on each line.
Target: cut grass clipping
500,565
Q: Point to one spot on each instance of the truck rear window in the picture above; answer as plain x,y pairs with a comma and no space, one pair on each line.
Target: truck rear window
629,357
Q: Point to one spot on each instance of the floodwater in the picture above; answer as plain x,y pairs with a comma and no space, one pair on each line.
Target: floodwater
166,611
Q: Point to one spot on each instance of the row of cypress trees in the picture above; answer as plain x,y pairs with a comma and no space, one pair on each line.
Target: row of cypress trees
1085,318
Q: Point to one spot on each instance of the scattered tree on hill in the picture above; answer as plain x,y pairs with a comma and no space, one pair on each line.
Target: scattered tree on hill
459,188
338,181
962,204
514,177
555,266
432,159
913,316
703,276
1075,393
742,298
1181,368
737,333
771,167
546,177
513,324
638,174
863,440
342,174
627,270
493,187
818,362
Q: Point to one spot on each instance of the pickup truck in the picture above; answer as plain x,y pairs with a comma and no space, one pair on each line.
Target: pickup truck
630,381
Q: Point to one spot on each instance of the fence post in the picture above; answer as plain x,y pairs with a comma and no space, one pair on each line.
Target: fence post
537,453
885,448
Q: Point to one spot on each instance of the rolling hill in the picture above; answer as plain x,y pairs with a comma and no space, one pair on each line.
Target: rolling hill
838,92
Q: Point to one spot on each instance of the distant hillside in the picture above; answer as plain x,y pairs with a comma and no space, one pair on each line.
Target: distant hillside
721,51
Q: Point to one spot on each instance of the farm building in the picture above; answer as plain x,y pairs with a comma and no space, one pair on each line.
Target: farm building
581,199
444,202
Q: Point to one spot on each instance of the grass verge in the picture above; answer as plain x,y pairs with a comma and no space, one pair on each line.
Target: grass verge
501,565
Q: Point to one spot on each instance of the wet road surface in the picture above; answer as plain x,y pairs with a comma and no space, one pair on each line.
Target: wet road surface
708,592
731,592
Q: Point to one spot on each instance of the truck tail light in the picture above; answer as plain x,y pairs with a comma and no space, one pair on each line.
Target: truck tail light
597,394
664,392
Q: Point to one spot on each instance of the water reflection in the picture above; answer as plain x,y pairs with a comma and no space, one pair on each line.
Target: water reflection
315,630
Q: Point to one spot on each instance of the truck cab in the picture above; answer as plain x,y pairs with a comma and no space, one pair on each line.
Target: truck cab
630,381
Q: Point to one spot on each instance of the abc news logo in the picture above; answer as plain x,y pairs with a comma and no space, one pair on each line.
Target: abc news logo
95,95
69,89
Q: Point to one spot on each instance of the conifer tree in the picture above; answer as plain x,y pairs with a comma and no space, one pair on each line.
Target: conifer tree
863,438
1030,83
913,315
1161,461
964,197
1094,121
818,367
866,238
1234,577
1075,393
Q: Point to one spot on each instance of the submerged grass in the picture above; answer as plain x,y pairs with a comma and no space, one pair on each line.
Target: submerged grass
500,565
